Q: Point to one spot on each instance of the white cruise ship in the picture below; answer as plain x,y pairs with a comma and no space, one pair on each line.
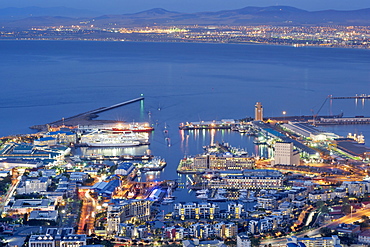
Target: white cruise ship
107,139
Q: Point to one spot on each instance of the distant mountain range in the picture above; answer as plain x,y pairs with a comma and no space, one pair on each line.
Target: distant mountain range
275,15
20,13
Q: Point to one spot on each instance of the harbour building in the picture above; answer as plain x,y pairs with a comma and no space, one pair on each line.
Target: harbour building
217,162
258,112
308,131
285,154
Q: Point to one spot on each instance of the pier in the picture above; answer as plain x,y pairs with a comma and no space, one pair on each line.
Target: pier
344,120
85,117
362,96
223,124
103,109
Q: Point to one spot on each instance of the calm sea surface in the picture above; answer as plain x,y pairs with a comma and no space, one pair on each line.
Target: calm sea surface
46,81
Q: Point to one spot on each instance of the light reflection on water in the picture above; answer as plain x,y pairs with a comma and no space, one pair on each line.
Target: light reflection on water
112,151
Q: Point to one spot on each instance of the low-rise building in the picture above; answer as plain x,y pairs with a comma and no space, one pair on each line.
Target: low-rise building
242,240
332,241
201,230
126,211
344,229
62,136
249,179
63,237
193,210
356,188
364,237
78,176
267,202
174,232
33,185
124,168
235,210
23,206
43,215
46,141
225,230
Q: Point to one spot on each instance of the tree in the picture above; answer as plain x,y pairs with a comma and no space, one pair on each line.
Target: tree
230,242
324,209
325,232
346,209
255,241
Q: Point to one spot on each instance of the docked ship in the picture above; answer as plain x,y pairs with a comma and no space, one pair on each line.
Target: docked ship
101,138
131,127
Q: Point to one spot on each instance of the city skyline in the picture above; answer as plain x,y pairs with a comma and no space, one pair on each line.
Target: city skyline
124,7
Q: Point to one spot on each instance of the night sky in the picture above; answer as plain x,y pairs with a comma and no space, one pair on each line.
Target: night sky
132,6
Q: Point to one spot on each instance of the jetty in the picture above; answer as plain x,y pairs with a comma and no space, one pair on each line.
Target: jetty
86,118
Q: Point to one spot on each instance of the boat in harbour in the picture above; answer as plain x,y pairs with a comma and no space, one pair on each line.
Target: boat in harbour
202,196
156,164
203,191
217,198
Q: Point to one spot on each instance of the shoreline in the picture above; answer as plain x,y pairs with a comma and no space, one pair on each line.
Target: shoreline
187,42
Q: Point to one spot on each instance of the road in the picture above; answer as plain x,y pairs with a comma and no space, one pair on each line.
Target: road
87,218
10,192
348,219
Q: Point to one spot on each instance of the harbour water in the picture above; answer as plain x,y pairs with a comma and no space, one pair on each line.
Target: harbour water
46,81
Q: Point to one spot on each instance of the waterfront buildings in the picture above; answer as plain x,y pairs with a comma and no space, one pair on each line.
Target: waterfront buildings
62,136
218,157
248,179
126,211
217,162
124,168
351,148
193,210
306,130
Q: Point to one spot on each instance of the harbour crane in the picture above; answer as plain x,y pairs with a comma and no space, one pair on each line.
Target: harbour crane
317,113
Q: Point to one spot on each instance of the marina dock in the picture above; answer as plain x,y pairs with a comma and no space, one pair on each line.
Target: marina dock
113,158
